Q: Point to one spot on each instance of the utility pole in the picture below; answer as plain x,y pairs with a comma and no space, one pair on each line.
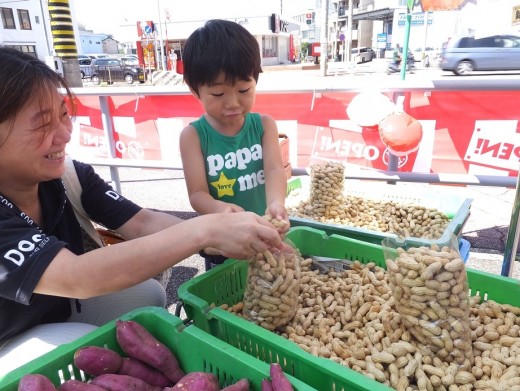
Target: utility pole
64,43
324,44
336,33
349,30
161,52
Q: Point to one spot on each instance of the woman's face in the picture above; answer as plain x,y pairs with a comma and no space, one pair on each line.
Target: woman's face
32,148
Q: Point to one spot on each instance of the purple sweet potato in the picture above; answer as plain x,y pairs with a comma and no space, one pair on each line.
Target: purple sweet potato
115,382
140,344
78,385
266,385
136,368
278,378
241,385
196,381
35,382
96,360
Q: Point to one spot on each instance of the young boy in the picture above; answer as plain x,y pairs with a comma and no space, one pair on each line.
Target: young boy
231,157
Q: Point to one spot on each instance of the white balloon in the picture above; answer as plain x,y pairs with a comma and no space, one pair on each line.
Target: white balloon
369,108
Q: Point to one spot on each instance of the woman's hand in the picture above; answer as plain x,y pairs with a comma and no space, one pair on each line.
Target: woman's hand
239,235
227,207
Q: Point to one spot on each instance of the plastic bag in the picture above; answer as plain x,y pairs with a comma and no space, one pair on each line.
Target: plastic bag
273,288
326,189
430,289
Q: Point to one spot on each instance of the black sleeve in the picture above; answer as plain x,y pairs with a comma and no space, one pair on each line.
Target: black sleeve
25,253
102,203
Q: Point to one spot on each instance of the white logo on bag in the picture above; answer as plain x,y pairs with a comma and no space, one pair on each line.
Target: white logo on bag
17,255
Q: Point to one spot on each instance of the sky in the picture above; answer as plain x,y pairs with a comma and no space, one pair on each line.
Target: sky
106,16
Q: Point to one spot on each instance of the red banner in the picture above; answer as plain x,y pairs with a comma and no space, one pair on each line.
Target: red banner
474,132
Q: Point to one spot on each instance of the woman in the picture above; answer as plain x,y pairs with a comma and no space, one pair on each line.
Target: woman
51,290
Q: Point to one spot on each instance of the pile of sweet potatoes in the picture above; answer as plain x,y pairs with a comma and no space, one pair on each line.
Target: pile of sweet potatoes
149,365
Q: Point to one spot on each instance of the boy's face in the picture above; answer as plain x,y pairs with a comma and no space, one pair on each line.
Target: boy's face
227,103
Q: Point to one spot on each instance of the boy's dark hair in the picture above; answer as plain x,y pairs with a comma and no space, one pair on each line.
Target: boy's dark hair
220,46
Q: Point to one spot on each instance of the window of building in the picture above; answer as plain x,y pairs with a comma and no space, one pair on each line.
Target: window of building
24,19
29,49
8,18
269,46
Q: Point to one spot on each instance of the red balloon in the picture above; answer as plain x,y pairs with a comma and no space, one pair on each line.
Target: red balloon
401,133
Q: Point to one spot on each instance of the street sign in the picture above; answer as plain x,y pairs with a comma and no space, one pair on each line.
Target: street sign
381,41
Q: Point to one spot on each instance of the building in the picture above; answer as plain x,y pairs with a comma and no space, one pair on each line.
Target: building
23,27
110,45
380,24
26,27
90,42
275,37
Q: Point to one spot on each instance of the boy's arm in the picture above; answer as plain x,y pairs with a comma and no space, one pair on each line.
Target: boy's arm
195,175
275,179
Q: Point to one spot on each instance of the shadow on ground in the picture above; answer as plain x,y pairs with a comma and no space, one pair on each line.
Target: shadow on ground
179,275
491,239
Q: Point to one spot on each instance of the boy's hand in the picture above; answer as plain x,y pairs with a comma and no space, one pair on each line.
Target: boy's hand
277,215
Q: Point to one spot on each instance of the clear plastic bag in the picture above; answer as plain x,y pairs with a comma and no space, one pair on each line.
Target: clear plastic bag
273,288
430,289
326,189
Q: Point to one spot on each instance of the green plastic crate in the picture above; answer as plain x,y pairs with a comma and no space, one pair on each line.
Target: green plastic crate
195,349
225,284
455,207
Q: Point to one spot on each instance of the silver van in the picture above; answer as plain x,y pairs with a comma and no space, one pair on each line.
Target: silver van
465,55
362,54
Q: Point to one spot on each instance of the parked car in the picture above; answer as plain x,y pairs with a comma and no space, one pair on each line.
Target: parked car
130,60
114,69
362,54
84,66
464,55
100,55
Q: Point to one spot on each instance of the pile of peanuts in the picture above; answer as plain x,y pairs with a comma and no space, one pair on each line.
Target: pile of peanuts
351,317
327,203
273,286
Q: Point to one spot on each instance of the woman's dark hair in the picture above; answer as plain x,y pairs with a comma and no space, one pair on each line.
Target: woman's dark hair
220,46
24,78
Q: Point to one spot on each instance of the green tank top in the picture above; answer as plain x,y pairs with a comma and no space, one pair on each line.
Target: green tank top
234,164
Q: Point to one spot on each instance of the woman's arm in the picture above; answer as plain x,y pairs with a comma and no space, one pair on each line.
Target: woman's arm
119,266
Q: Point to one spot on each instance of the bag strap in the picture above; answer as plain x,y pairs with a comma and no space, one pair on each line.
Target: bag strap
73,187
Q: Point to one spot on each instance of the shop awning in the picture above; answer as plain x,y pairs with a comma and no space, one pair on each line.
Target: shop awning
378,14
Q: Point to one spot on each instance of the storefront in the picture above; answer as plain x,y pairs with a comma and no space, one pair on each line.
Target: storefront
274,35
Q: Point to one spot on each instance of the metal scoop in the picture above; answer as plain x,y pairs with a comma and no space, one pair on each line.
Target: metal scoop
324,264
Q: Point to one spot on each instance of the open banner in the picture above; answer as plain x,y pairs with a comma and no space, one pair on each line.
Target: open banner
464,132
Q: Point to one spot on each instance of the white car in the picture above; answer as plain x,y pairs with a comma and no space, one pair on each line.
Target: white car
362,54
